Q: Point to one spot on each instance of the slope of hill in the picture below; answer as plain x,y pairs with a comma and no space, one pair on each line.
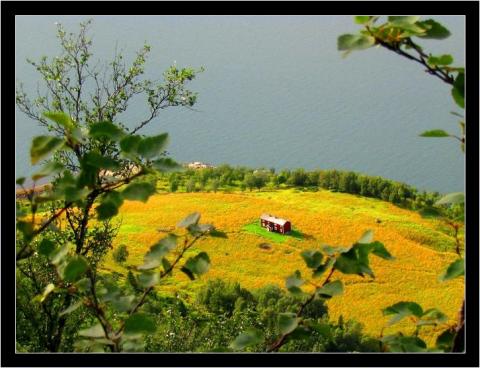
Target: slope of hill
421,247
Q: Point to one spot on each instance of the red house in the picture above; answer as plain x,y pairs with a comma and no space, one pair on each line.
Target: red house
272,223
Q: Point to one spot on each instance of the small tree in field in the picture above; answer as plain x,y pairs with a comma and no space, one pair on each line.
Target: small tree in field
97,162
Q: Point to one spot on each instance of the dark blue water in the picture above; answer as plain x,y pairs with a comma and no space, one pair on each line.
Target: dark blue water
277,93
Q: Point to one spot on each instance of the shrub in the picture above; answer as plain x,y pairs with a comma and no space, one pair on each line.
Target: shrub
220,297
120,254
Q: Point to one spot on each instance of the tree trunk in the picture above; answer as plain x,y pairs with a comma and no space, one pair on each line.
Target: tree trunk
56,340
459,340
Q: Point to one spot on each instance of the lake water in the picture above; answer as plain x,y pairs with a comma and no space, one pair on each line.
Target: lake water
277,93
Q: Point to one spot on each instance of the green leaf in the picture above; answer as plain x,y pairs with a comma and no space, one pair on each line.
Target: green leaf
287,322
366,238
250,337
354,42
109,206
294,282
451,198
20,181
187,272
434,30
200,229
83,285
355,260
48,169
323,328
329,250
300,333
78,135
46,292
154,256
133,345
409,29
59,254
129,145
106,210
312,258
148,279
139,191
455,269
404,344
46,247
403,19
320,270
26,228
108,291
460,83
432,317
440,60
330,289
458,90
218,234
151,147
60,118
123,303
88,174
362,19
436,133
445,340
165,165
191,219
139,323
94,331
379,250
72,308
75,268
43,146
198,265
99,161
458,98
401,310
106,129
166,265
73,194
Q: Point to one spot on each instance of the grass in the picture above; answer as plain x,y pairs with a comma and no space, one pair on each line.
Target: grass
256,229
421,247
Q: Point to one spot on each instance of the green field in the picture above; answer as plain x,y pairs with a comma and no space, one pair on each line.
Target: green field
256,229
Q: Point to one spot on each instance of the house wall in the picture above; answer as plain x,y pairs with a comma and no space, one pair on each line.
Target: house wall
276,227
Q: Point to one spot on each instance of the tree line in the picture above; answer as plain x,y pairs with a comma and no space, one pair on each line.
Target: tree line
226,177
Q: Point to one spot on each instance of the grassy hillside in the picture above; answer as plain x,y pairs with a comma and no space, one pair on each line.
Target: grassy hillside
420,245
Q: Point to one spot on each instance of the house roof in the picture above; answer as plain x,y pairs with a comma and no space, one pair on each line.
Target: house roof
273,219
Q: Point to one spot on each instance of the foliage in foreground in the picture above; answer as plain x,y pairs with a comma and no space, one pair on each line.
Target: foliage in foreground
397,35
96,163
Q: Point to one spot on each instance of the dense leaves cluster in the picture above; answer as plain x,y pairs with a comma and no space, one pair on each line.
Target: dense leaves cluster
223,309
397,34
94,163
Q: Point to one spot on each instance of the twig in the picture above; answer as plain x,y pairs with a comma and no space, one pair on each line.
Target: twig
281,341
395,47
162,275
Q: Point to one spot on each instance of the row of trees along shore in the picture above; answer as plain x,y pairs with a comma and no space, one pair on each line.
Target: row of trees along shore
228,178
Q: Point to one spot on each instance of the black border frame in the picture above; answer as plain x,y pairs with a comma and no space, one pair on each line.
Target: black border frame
470,358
